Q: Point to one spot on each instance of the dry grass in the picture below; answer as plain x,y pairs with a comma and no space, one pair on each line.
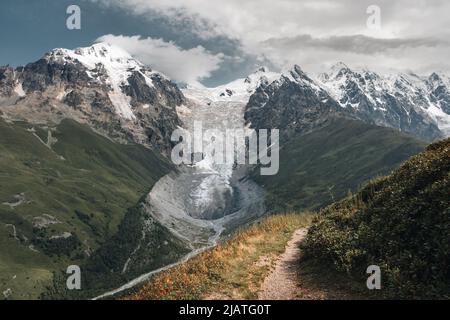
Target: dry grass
234,269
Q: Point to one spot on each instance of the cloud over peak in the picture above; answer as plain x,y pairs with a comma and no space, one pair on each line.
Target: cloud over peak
359,43
182,65
315,33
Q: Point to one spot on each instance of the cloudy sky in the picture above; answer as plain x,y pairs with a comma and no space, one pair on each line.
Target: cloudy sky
215,41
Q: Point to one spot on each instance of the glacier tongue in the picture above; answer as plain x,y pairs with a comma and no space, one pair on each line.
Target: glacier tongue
237,91
202,200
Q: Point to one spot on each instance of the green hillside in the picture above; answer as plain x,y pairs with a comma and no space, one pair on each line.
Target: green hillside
324,165
63,192
400,223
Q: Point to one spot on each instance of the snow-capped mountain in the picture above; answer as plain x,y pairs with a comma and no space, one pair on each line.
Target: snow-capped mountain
402,101
101,85
238,90
109,65
105,87
412,104
294,103
439,110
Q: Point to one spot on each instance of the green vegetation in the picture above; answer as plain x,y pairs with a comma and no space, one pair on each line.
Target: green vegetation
78,182
234,269
321,167
57,246
400,223
140,248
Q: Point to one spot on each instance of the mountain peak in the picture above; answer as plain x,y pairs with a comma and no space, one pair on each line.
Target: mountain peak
102,85
338,66
297,69
262,69
110,65
296,74
102,52
338,69
435,79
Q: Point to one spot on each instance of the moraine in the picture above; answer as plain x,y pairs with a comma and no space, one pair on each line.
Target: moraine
199,203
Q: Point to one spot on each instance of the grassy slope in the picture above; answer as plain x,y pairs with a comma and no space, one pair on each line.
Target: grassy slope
234,269
400,223
98,178
322,166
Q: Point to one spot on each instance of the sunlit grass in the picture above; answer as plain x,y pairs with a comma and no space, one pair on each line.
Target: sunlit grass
234,269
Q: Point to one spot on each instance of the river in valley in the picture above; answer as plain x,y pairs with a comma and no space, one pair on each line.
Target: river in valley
200,202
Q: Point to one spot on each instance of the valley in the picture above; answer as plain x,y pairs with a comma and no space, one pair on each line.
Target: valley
87,178
199,203
70,200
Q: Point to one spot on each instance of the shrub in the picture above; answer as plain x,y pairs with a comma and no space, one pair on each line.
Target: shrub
400,223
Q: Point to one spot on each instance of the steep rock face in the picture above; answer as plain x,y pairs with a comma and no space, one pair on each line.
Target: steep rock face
297,103
293,104
39,75
7,83
439,87
398,101
101,85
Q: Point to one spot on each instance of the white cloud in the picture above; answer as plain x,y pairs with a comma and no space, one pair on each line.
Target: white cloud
183,65
253,22
421,55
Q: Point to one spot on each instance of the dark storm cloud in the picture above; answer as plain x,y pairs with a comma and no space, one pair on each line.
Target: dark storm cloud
353,43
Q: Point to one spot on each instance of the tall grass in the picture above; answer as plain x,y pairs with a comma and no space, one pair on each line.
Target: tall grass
232,269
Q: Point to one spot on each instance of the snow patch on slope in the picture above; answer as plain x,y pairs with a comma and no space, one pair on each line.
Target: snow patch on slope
116,62
441,118
342,83
19,90
238,90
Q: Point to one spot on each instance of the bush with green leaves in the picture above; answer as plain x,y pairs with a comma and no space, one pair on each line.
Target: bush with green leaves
400,223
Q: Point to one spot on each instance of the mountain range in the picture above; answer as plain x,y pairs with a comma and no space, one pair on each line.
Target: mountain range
86,177
406,102
102,86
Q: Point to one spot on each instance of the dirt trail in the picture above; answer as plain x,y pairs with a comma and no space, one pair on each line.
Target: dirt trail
282,282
